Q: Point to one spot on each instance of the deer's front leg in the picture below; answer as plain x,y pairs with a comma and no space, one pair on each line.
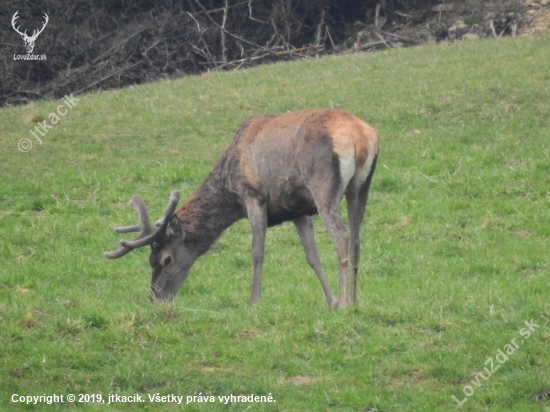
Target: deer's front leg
257,215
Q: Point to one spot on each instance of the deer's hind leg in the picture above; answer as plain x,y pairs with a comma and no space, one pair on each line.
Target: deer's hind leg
356,198
327,193
304,226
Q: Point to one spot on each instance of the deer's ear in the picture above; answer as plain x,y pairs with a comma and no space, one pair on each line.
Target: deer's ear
175,225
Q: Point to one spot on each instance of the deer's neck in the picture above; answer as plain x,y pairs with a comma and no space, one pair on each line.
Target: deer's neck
210,211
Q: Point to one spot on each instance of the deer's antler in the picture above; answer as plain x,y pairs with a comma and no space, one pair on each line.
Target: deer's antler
35,33
15,17
147,233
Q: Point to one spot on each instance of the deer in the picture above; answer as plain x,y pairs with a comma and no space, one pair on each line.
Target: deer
29,40
277,168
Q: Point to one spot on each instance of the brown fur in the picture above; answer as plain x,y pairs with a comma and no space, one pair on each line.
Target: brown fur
276,169
347,131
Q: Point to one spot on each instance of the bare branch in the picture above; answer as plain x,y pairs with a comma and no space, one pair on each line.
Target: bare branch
223,29
319,29
383,40
250,14
223,39
119,44
106,77
401,38
206,52
492,26
204,11
327,34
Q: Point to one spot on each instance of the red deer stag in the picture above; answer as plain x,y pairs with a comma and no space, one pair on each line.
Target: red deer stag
276,168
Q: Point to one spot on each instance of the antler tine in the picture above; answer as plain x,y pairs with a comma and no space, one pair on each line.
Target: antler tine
36,32
13,19
115,254
172,204
137,203
46,20
147,233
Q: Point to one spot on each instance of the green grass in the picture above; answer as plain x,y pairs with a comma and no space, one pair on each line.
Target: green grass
455,243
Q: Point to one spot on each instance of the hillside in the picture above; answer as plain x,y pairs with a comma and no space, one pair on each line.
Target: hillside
99,45
454,243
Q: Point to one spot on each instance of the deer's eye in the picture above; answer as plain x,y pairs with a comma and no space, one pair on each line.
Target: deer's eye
167,260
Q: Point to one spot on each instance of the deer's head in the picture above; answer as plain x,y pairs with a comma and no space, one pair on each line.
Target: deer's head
29,40
170,259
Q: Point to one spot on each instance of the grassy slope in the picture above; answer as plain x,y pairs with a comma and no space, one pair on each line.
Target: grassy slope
455,242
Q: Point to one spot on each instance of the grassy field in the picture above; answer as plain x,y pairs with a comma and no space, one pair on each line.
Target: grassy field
455,244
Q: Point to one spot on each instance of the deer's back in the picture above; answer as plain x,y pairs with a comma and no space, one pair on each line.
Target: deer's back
278,156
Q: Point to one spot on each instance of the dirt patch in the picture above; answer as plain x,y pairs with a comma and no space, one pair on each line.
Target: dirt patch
303,380
538,14
214,369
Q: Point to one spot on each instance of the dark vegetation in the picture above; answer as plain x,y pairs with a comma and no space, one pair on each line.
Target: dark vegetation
94,45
